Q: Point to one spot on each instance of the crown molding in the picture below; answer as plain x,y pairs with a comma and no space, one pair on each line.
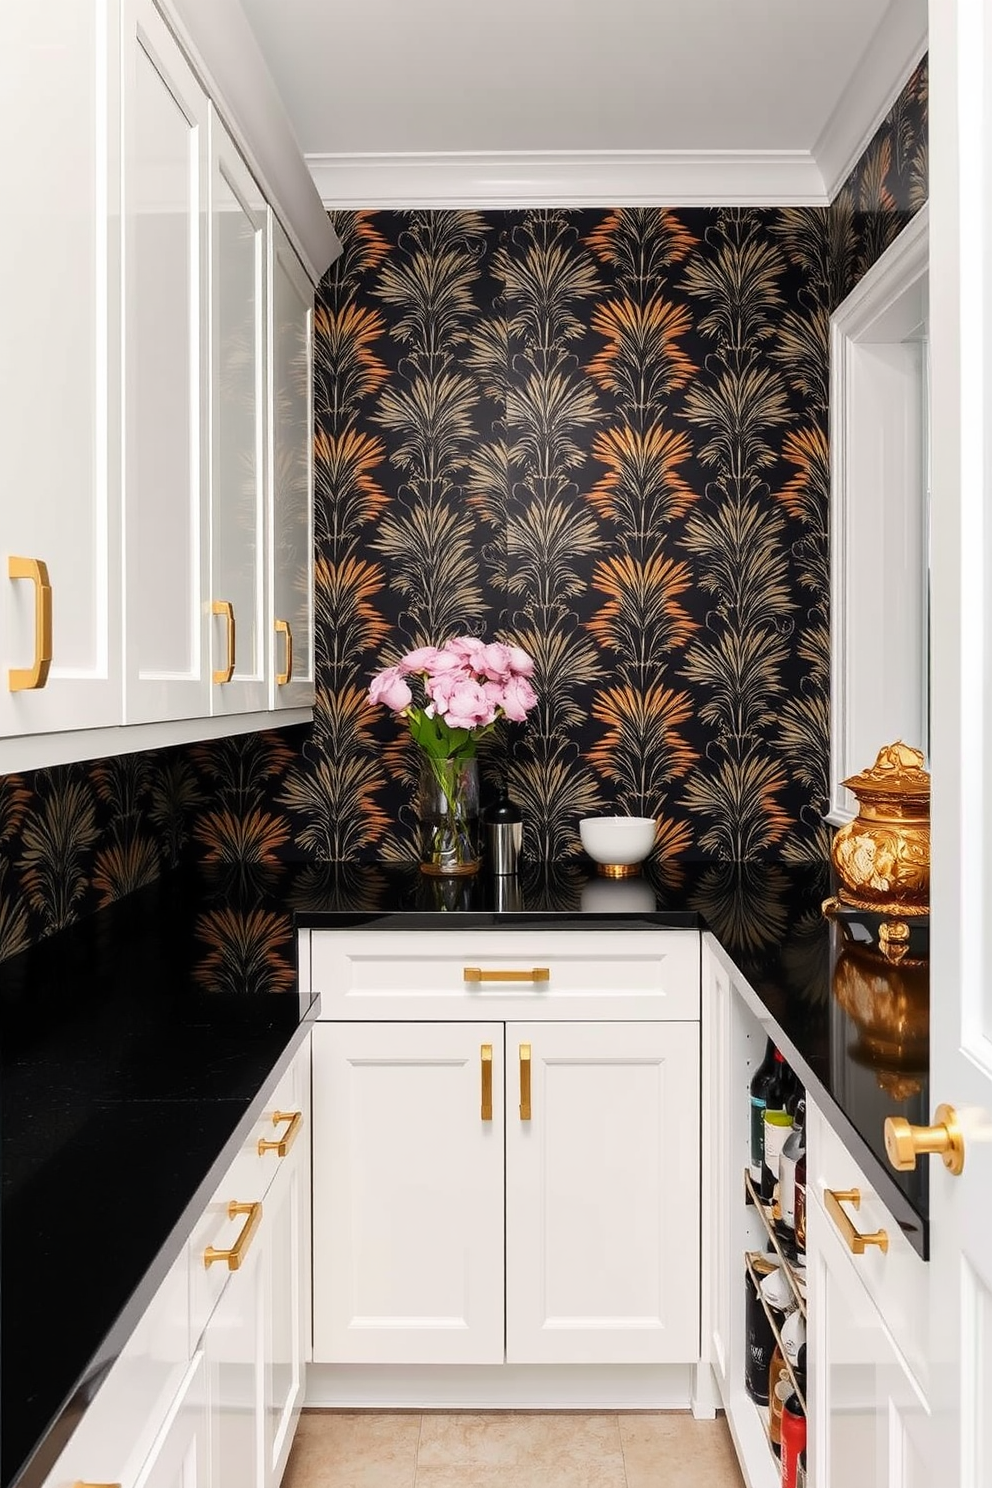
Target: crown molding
894,51
570,178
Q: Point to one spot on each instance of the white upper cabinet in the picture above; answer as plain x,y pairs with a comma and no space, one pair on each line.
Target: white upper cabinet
59,434
156,384
238,231
166,176
291,547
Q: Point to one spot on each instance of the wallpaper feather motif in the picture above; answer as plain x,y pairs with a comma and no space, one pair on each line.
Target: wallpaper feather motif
599,434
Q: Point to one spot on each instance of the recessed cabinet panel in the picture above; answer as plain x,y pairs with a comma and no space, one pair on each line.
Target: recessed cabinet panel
59,430
237,528
291,476
600,1160
408,1193
869,1423
165,200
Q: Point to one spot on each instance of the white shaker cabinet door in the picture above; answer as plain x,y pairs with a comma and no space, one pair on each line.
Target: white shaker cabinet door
408,1193
869,1423
291,639
238,230
166,479
59,384
602,1193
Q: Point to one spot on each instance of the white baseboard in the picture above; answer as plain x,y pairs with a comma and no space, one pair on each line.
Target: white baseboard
500,1387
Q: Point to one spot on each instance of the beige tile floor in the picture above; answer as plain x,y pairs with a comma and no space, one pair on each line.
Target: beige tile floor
510,1449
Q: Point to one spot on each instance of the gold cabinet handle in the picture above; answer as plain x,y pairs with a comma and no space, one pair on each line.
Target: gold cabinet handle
487,1082
225,607
282,1144
239,1249
283,627
28,679
905,1143
525,1082
854,1239
536,974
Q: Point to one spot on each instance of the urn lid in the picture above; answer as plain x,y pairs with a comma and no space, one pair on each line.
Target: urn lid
897,771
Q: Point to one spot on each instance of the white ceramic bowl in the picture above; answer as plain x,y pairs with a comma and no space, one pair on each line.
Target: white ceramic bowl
618,844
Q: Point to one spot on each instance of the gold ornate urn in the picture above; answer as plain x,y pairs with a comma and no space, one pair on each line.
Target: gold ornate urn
882,857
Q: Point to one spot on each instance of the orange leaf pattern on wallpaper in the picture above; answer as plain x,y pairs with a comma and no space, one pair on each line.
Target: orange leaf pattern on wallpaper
601,434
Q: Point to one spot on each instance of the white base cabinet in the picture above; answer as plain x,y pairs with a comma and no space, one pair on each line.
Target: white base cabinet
208,1390
500,1189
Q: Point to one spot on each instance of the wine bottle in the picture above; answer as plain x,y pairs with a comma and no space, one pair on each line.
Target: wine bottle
760,1343
793,1427
778,1126
795,1146
800,1203
767,1079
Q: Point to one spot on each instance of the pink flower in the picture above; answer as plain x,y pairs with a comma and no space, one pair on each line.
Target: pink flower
469,649
468,706
389,688
496,662
518,698
421,660
521,664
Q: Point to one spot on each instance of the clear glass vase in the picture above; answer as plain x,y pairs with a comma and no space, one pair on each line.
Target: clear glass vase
449,815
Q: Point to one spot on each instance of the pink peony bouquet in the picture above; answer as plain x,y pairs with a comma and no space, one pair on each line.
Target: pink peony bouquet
452,695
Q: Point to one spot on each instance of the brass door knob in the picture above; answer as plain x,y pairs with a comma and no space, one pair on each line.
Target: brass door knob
905,1143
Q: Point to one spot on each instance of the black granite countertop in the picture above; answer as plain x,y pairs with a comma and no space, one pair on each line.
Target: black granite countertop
131,1070
134,1049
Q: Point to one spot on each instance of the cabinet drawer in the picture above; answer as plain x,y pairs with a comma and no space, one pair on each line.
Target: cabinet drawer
118,1430
895,1279
245,1182
506,974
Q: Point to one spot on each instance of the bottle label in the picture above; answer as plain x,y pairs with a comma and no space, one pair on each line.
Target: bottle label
775,1138
787,1190
757,1137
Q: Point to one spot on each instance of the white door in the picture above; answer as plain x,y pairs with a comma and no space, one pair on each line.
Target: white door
59,383
166,479
180,1457
602,1193
291,475
234,1345
408,1193
961,682
869,1423
238,635
286,1328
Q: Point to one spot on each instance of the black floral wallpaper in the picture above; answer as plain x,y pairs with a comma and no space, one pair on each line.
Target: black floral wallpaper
601,434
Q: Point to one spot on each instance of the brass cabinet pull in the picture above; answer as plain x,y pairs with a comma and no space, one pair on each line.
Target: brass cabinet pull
282,1145
283,627
536,974
905,1143
225,607
239,1249
28,679
487,1082
854,1239
525,1082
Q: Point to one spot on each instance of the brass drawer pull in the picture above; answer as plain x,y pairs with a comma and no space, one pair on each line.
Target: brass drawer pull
225,607
487,1082
854,1239
283,627
29,679
525,1082
282,1145
536,974
239,1249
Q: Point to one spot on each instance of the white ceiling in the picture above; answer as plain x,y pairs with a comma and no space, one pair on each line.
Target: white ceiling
402,101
